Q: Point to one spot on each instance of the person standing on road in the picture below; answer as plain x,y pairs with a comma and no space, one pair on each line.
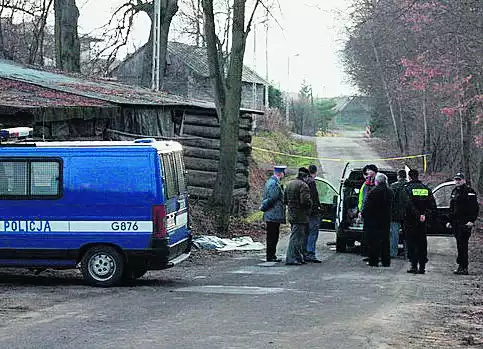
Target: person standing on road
420,205
377,220
297,198
369,172
314,217
463,214
273,209
397,210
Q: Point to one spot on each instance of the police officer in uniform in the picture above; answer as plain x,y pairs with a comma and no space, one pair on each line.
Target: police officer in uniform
273,210
420,204
463,214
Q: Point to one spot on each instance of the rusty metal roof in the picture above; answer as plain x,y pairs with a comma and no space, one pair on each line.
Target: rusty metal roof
19,94
101,90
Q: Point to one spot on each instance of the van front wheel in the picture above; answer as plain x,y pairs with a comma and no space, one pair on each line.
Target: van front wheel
102,266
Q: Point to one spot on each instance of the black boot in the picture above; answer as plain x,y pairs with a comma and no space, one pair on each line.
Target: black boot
461,271
422,269
413,269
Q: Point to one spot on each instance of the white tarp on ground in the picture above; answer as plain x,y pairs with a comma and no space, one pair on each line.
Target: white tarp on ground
242,243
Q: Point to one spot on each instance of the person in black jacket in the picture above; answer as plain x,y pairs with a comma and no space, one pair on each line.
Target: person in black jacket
463,214
377,221
420,205
314,218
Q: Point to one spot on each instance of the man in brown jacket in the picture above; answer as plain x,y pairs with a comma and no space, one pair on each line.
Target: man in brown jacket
297,198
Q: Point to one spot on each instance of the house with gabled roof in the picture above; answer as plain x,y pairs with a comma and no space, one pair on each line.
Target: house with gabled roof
352,111
187,74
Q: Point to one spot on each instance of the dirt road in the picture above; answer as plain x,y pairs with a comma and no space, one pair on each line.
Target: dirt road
234,300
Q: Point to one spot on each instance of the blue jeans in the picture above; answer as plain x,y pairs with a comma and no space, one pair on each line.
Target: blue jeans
312,236
295,250
395,227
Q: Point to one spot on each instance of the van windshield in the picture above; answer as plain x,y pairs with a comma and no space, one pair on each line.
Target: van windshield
173,173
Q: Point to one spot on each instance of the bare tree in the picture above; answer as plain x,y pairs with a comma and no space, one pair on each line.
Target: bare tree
118,30
430,56
67,44
24,35
227,90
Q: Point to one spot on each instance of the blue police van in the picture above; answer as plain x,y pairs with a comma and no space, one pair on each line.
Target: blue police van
113,209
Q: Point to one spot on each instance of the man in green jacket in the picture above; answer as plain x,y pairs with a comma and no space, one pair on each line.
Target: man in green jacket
297,198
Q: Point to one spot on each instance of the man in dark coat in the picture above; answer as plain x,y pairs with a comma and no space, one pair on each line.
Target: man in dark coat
420,205
397,210
377,221
314,217
273,211
463,214
297,198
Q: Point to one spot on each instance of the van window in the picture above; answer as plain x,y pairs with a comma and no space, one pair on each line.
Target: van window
442,196
23,179
174,174
180,170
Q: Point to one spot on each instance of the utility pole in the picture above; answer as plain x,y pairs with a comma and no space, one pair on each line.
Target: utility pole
198,26
156,42
287,97
267,103
254,85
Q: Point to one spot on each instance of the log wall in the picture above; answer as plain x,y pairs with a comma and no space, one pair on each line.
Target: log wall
202,155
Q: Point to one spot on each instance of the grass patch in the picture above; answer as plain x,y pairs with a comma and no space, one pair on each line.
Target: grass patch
255,216
283,143
261,167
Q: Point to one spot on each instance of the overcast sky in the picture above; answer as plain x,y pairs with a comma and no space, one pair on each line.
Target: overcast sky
308,34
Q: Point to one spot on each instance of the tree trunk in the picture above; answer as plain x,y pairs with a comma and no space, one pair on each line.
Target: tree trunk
388,96
426,141
38,42
67,44
168,10
228,101
465,141
480,179
405,134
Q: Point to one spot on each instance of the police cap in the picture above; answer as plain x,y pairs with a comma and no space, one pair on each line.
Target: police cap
459,175
279,168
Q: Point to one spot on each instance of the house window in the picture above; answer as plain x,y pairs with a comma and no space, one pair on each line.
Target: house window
24,179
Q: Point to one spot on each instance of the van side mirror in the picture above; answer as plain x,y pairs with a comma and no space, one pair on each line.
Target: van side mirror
334,199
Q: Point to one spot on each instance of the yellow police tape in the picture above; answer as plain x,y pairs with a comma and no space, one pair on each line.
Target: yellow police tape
424,156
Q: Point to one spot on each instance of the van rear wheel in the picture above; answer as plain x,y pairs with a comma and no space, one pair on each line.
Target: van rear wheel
102,266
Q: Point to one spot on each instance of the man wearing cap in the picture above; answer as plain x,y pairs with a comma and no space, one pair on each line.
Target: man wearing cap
297,198
273,209
369,172
420,204
463,214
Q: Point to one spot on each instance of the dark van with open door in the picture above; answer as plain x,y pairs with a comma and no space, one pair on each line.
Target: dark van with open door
339,206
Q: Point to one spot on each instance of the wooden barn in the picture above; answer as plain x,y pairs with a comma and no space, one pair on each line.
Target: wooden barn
187,74
353,111
65,107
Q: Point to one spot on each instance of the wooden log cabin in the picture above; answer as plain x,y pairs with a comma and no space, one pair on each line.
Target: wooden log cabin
65,107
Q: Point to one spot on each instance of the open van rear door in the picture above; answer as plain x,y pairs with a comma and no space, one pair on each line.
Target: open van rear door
328,202
442,196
